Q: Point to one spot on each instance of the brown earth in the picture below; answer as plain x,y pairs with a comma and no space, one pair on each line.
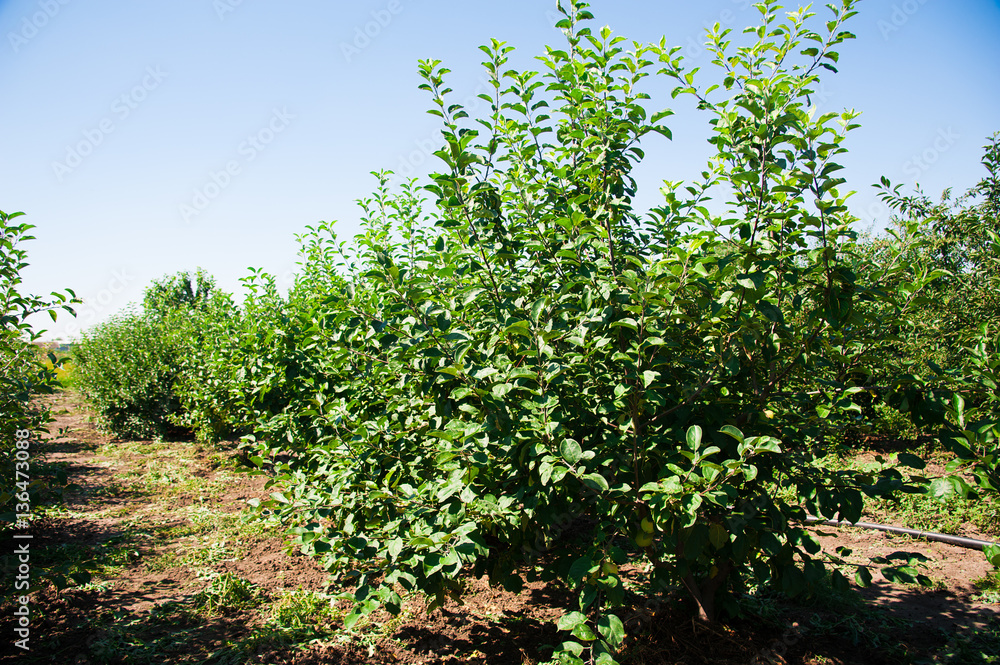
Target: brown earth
140,510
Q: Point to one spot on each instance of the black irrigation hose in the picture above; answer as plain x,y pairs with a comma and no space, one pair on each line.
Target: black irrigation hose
970,543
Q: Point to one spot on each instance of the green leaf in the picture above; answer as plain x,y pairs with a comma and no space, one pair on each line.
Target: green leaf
544,473
571,620
770,311
611,629
352,619
570,451
537,307
581,568
648,377
694,437
911,460
752,281
574,648
941,488
839,582
733,432
863,577
627,322
792,581
484,372
718,536
745,176
595,481
766,444
959,408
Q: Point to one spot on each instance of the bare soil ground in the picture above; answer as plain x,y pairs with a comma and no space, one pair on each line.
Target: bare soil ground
160,525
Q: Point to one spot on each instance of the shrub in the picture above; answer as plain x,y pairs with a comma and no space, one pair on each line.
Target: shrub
206,332
144,370
949,347
23,371
534,355
181,291
247,365
956,240
126,368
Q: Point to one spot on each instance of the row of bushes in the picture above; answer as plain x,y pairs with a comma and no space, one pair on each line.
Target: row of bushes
24,375
184,362
524,352
130,366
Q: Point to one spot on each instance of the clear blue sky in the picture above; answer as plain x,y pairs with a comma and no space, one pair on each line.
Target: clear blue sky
115,115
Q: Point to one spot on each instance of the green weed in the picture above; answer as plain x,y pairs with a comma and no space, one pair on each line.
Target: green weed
227,593
924,512
303,612
989,588
979,647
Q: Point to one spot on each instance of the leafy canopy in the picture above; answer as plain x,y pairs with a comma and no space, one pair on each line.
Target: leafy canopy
532,369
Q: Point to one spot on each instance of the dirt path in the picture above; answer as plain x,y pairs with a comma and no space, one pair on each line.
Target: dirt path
153,523
159,525
182,572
